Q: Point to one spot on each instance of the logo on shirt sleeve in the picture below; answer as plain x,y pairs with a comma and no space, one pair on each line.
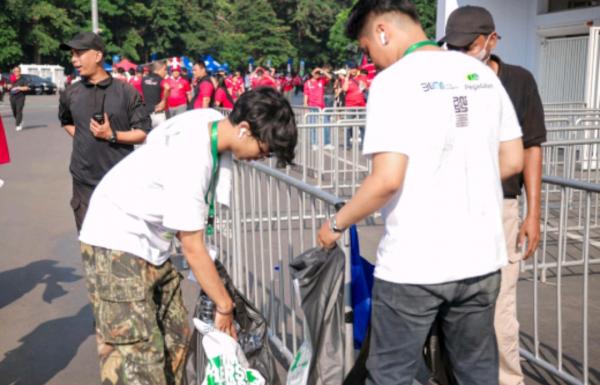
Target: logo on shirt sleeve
461,109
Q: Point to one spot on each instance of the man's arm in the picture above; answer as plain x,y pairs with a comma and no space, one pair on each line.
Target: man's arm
104,131
203,268
162,105
511,158
387,177
532,175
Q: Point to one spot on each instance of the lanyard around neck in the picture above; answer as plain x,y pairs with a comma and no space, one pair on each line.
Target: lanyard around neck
418,45
209,197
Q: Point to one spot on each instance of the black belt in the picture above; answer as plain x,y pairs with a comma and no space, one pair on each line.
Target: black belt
510,196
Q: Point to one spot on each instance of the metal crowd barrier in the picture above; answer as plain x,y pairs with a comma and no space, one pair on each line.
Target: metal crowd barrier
272,218
560,281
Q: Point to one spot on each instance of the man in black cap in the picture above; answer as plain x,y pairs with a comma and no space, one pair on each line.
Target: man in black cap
471,30
105,118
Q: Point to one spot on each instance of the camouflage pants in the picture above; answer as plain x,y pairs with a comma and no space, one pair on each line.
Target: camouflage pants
141,323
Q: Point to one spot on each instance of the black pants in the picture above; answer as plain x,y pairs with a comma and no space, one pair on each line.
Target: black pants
80,201
17,103
402,317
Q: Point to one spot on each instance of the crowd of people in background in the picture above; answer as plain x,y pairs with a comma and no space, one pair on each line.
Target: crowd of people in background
184,90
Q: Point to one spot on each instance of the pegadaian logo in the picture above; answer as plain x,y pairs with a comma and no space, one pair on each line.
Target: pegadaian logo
473,77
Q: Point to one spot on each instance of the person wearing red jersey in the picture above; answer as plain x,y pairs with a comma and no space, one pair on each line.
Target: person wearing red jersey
136,81
222,96
314,97
354,87
238,87
261,78
287,86
179,92
204,88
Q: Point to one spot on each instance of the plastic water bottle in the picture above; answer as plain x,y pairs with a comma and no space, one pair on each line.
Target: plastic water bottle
207,309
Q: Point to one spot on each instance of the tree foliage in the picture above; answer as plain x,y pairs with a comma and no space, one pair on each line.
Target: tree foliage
230,30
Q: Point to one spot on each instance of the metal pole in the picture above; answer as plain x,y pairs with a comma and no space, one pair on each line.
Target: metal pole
95,16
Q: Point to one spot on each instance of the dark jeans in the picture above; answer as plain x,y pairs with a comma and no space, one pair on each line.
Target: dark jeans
402,318
17,104
80,201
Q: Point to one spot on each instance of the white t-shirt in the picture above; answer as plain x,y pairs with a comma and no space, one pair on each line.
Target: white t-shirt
448,113
158,190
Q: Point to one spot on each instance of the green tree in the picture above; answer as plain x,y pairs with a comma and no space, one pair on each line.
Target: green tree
339,47
427,10
10,47
266,35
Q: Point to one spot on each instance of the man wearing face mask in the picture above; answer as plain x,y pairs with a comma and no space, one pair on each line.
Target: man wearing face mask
471,30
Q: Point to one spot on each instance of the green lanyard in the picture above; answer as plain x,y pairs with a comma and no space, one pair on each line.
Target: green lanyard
418,45
209,197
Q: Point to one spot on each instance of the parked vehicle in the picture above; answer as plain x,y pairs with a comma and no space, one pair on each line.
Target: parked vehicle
39,85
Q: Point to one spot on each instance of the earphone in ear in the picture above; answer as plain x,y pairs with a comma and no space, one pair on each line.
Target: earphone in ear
242,133
383,39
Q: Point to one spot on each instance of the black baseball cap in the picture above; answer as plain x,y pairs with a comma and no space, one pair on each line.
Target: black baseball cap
466,23
84,40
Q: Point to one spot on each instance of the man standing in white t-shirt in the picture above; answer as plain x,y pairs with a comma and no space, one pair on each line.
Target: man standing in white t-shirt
441,132
161,191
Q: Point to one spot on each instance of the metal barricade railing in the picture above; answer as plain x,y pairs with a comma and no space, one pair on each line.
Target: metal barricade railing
274,217
560,279
329,153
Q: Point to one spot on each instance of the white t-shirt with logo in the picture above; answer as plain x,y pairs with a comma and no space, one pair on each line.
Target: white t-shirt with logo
448,113
158,190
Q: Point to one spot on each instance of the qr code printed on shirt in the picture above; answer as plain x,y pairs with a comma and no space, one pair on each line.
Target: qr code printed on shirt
461,104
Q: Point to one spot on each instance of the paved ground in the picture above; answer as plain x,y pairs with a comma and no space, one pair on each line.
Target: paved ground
44,315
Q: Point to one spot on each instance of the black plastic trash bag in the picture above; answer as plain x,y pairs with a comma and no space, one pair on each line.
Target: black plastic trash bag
320,279
252,337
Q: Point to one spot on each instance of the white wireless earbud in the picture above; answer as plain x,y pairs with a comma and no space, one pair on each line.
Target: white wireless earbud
242,133
383,39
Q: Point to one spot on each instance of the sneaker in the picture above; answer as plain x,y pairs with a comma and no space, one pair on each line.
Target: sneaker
19,127
1,183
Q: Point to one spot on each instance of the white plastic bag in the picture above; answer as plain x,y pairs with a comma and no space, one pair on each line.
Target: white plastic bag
300,367
227,364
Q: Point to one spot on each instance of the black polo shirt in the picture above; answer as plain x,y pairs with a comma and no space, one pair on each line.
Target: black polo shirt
92,158
152,91
523,92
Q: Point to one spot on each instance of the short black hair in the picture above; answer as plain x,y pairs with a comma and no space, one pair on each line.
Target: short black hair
271,121
200,64
363,8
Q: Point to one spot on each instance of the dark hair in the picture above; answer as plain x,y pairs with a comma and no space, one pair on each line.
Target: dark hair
200,64
271,121
131,71
363,8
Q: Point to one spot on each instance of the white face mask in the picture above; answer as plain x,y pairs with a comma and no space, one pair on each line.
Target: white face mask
483,55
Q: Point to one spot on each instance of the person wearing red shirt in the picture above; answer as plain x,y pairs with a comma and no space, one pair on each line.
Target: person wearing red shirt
204,88
314,97
179,92
354,85
262,79
222,96
136,81
238,85
287,86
